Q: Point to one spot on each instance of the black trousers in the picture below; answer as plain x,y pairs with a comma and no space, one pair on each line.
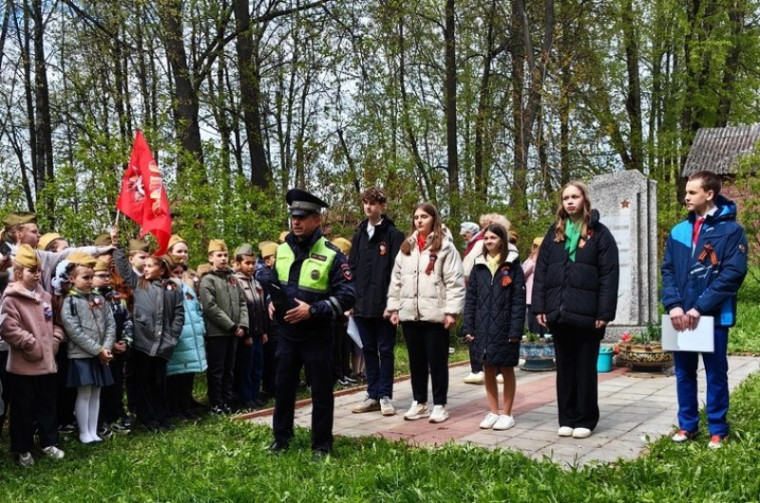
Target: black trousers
5,385
67,397
149,375
112,397
428,347
220,355
269,377
315,355
33,405
179,393
577,351
341,352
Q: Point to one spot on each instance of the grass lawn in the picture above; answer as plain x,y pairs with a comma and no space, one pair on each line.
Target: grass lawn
223,460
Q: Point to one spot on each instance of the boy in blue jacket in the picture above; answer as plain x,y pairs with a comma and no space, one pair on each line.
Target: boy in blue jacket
704,266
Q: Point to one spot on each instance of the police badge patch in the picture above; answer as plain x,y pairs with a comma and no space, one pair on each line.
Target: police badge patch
314,274
346,270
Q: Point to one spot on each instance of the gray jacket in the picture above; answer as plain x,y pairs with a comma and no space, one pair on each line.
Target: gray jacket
88,323
158,313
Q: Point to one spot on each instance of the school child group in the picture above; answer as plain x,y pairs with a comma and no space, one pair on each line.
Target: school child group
109,320
153,321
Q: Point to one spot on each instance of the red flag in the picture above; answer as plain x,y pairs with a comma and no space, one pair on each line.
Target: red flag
143,197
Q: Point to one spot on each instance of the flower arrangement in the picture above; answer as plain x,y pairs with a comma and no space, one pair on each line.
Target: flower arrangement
643,349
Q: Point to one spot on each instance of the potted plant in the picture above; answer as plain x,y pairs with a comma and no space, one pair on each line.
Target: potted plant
643,350
538,352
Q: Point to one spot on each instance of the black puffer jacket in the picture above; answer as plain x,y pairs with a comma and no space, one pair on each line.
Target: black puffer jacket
581,292
371,262
494,309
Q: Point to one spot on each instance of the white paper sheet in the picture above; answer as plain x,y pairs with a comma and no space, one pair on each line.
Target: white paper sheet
701,339
353,332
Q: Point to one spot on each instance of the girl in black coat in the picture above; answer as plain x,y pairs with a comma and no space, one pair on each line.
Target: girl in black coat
494,315
575,297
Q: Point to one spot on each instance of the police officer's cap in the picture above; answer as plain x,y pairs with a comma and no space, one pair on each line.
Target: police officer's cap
302,203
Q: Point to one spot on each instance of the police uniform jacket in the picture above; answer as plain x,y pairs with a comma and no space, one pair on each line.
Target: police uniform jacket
316,272
371,263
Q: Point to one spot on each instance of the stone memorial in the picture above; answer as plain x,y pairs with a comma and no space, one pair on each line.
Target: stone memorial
627,205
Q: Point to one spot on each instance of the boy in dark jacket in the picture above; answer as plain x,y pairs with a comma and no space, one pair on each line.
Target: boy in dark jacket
704,266
226,317
374,247
249,357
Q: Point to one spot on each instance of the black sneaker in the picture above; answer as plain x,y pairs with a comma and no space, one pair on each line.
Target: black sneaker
67,429
105,433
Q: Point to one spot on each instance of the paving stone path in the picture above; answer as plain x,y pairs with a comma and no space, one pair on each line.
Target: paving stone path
636,408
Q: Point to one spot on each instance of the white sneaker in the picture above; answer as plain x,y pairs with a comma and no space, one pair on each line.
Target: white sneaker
474,378
581,433
439,415
416,411
505,422
489,421
500,379
565,431
367,405
25,459
386,406
52,451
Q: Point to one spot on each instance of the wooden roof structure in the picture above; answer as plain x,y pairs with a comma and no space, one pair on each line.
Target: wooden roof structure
719,149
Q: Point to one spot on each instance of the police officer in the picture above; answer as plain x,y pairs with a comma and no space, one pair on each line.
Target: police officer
316,288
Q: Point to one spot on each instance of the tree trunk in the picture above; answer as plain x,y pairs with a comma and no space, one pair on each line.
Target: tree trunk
450,110
633,94
250,94
43,127
185,102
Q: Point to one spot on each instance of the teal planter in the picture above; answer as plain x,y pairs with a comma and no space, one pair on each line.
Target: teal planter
604,361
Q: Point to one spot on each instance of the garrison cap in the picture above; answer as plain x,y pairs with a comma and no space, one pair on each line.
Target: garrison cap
46,239
27,257
103,240
24,217
267,248
83,259
101,266
175,239
303,203
217,245
245,249
136,245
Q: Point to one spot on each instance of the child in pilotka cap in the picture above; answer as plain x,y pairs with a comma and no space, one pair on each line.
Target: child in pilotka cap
226,317
249,358
113,417
28,329
138,253
91,329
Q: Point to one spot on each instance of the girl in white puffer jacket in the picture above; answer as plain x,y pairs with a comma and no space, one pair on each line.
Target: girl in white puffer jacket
426,294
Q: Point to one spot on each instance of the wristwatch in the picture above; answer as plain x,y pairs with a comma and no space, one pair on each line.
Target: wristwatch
312,311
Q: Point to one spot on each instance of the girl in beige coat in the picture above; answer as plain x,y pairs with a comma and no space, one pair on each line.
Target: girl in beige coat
426,295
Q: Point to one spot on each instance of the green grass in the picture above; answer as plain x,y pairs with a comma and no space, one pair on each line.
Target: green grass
223,460
744,338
